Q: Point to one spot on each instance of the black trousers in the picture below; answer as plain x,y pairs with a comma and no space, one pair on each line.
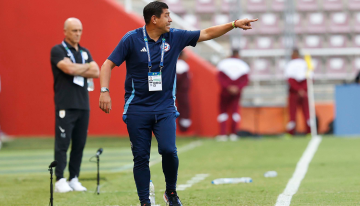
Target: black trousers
70,124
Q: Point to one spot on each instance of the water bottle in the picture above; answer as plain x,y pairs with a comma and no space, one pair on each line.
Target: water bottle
231,180
270,174
152,193
90,83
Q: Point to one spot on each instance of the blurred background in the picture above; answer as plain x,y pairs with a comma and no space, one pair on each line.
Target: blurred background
328,30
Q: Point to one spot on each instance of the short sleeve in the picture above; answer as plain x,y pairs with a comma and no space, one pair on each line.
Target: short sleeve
90,59
57,54
186,37
120,53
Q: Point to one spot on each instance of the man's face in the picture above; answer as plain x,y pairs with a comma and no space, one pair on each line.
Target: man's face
73,31
164,21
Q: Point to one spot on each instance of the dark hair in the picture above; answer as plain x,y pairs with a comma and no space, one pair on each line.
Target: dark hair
296,50
235,52
153,8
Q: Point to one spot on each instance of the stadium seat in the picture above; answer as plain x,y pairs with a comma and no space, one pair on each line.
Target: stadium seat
280,68
356,41
312,41
355,66
192,19
306,5
241,43
277,5
205,6
356,23
333,5
255,5
260,69
296,18
226,5
339,23
337,41
269,24
264,42
316,23
336,68
353,5
220,19
176,6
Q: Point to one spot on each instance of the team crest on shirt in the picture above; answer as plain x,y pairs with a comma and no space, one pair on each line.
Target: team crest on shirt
85,55
167,47
62,113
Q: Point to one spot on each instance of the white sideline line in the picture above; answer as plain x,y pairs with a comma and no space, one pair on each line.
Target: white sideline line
292,186
197,178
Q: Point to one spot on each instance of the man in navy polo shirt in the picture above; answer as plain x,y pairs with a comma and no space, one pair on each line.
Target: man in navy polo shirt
151,54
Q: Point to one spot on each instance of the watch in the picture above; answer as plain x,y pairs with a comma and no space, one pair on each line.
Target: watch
104,89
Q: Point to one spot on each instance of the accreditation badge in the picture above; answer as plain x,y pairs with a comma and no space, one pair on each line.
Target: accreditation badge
155,82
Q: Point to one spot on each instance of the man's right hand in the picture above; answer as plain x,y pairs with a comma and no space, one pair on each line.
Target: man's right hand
105,102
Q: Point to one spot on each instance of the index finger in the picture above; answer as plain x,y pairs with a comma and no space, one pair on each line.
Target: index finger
251,20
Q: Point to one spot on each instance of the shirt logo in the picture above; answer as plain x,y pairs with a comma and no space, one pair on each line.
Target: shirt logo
62,113
167,47
143,49
61,130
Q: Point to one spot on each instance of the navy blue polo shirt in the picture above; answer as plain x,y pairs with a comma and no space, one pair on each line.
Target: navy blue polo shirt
132,49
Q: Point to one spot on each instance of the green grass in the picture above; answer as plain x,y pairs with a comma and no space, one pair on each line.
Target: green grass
332,178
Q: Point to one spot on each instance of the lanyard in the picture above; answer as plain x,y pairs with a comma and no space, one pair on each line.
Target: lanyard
71,54
148,51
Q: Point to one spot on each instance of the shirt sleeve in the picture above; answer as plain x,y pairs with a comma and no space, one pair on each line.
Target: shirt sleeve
57,54
90,59
186,37
119,55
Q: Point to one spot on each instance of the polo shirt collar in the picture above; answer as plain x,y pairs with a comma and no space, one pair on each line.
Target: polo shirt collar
150,39
71,47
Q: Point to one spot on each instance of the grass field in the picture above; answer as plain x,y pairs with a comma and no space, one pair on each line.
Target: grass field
332,178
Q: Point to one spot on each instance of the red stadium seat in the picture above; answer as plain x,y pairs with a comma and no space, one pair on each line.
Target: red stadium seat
355,66
277,5
336,68
264,43
337,41
316,23
192,19
332,5
306,5
255,5
354,5
205,6
356,24
312,41
296,20
269,24
176,6
227,4
356,41
339,23
260,69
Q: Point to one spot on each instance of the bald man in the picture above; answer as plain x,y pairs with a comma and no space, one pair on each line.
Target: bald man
72,66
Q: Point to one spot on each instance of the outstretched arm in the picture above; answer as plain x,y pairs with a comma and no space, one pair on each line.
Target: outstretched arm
217,31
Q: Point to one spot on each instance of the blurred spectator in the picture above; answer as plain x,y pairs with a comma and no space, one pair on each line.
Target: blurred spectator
295,72
182,92
233,77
